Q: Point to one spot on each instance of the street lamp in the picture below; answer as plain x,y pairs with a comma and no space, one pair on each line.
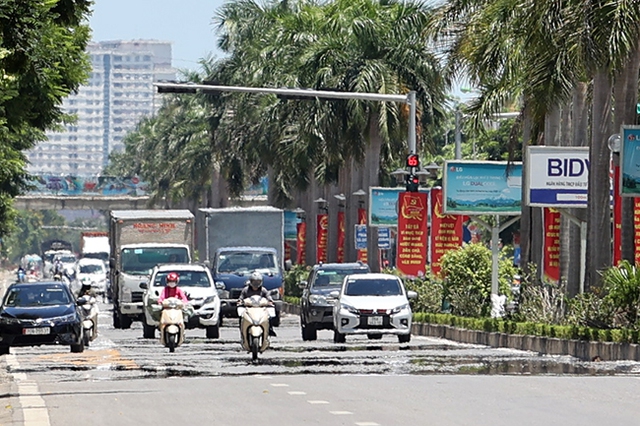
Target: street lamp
400,176
428,172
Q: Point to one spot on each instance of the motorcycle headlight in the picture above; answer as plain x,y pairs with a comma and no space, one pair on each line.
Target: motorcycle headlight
399,309
349,308
317,299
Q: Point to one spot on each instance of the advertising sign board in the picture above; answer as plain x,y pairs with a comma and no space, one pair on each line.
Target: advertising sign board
384,238
383,202
482,187
361,237
630,161
558,176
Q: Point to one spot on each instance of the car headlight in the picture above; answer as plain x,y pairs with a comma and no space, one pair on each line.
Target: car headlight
210,299
399,308
317,299
9,321
64,318
349,308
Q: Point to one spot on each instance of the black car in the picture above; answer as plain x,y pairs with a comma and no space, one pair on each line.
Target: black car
316,311
42,313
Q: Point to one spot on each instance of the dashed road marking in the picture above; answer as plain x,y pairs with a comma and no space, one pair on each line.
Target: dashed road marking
279,385
367,424
315,401
259,376
34,409
297,393
341,413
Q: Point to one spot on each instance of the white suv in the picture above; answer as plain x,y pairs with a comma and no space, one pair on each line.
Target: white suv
197,283
372,304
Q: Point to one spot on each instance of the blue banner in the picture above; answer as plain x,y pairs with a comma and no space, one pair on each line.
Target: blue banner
630,162
291,221
474,188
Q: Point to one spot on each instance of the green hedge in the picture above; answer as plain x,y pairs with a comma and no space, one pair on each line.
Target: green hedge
292,300
621,335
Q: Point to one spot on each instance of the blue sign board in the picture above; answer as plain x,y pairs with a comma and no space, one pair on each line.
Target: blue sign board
291,221
482,187
630,161
361,237
384,238
383,206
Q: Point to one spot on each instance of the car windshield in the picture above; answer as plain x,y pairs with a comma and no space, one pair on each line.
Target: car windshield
35,295
243,261
100,256
67,259
91,269
142,260
333,277
187,279
373,287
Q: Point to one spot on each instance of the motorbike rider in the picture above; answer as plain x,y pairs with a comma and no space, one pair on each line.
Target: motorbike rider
172,289
21,274
254,288
57,267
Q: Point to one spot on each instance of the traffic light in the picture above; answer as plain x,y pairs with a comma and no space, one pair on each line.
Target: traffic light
413,183
413,160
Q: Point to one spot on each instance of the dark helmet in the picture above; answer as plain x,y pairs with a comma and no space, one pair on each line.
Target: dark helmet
255,280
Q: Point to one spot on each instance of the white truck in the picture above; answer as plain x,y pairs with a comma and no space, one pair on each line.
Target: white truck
95,245
139,240
237,241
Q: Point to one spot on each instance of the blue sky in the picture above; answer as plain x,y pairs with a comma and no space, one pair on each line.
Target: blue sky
185,23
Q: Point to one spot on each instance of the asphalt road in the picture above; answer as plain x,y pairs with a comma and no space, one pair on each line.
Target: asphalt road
124,379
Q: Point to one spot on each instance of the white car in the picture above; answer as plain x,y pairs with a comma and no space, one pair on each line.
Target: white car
197,283
372,304
92,272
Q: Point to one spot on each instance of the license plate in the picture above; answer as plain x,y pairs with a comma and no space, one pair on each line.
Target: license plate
374,320
36,331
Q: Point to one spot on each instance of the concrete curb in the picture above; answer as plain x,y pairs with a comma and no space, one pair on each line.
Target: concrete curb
582,349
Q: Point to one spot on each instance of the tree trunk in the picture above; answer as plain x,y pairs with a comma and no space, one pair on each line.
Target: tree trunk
579,124
525,217
371,178
565,223
599,210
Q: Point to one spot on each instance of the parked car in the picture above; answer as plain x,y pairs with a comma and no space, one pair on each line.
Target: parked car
372,304
197,283
92,272
42,313
316,304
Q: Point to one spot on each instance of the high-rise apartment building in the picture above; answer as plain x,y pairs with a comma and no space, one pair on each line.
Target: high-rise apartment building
118,94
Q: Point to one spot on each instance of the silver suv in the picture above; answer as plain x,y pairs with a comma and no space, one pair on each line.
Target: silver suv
316,304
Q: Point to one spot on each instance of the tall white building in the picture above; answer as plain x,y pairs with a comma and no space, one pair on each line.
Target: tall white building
118,94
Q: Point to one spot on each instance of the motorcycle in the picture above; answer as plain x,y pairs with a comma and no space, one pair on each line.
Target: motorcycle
89,314
172,323
254,314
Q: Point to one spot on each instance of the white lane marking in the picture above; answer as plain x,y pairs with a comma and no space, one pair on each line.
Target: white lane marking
258,376
297,393
279,385
341,413
315,401
367,424
34,409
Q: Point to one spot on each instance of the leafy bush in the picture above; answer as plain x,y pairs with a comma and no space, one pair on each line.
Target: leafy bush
622,287
540,302
467,279
291,279
590,310
428,287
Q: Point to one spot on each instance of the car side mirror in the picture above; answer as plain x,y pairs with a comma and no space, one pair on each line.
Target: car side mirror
335,294
207,263
412,294
144,286
303,284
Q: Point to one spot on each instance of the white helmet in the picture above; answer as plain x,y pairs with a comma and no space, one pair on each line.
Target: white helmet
255,280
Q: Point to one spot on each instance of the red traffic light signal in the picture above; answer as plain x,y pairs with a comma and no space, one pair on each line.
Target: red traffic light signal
413,183
413,160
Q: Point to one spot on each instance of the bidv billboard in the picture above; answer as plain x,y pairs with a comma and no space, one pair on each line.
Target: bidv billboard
557,176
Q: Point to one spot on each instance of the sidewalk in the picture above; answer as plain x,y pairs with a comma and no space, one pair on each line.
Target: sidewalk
6,381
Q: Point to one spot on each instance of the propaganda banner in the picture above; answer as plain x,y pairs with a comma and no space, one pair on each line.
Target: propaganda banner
636,222
321,237
412,233
301,241
362,220
446,230
551,255
617,217
341,237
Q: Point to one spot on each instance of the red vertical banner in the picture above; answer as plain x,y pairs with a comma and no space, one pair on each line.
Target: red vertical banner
341,237
636,223
362,220
412,233
321,238
287,250
301,241
446,230
551,256
617,216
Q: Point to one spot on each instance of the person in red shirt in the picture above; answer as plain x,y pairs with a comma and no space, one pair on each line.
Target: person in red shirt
172,289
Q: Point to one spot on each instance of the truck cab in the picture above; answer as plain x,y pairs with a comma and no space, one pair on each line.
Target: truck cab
231,268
